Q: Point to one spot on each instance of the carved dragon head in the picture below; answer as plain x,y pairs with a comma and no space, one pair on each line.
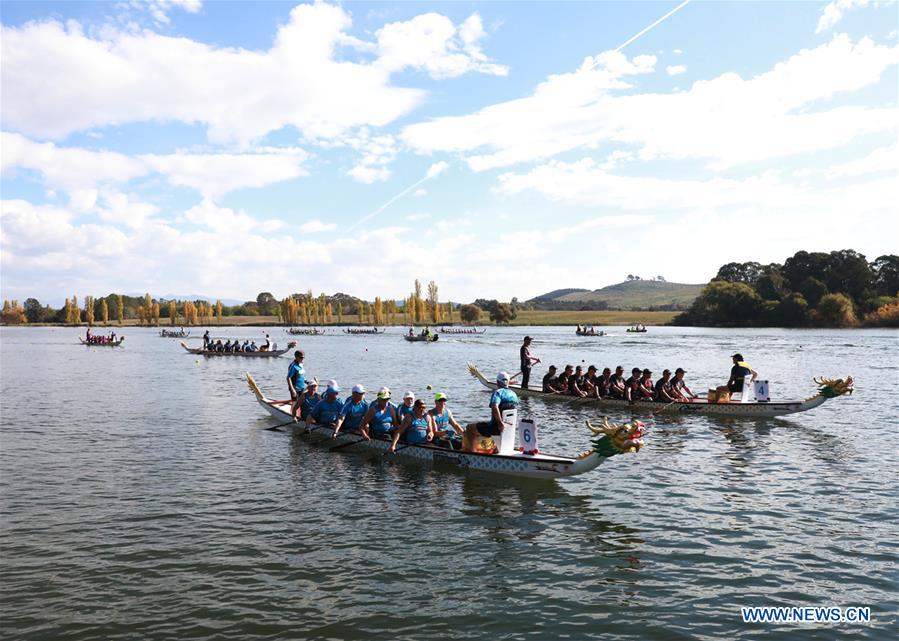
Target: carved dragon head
612,439
833,387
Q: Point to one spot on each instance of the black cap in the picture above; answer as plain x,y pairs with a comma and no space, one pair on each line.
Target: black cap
666,371
739,357
619,368
680,370
552,367
646,371
527,338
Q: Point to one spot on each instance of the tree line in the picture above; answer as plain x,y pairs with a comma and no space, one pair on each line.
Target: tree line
296,309
810,289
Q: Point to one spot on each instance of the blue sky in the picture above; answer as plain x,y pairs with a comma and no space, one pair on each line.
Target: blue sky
501,149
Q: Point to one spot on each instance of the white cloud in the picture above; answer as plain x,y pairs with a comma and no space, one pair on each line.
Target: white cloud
316,226
728,120
159,9
212,175
437,168
57,79
678,51
880,160
675,70
377,152
834,11
433,43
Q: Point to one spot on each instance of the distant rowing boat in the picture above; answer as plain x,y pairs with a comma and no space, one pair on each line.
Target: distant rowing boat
750,409
460,330
365,331
581,332
299,331
171,334
257,354
421,339
108,344
517,464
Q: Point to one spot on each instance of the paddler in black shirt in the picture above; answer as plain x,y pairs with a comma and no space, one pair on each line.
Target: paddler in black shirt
738,373
616,383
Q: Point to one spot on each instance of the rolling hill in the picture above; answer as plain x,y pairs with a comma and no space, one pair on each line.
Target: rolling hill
629,295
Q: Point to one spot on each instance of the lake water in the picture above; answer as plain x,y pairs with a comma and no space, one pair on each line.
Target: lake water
141,497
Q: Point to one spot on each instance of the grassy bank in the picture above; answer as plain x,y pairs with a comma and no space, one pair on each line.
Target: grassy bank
532,317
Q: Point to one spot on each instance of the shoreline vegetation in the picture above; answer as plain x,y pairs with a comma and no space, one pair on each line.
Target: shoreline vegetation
836,290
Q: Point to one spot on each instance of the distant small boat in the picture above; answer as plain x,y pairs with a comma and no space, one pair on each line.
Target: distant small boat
257,354
108,344
165,333
461,330
305,331
421,339
636,330
582,332
364,331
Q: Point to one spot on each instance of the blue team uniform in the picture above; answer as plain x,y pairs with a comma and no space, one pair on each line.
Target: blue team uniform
353,413
381,421
417,432
326,412
297,374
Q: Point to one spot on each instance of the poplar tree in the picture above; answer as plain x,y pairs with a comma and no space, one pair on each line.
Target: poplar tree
89,310
173,313
104,311
120,308
218,311
339,312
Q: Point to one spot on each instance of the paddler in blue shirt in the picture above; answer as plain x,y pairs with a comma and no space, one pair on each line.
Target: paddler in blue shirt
306,401
502,399
381,418
417,428
447,429
352,412
404,409
327,411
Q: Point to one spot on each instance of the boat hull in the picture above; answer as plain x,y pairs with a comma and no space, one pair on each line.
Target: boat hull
270,354
538,466
699,406
422,339
113,344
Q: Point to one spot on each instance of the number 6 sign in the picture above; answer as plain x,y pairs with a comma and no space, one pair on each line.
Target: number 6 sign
527,436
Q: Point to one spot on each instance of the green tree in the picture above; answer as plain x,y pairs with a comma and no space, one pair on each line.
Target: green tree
33,310
503,314
849,272
803,265
836,310
886,274
747,273
724,304
267,304
470,313
770,285
793,311
812,289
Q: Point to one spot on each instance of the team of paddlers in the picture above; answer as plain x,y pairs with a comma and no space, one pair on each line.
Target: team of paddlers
410,421
574,381
99,339
235,346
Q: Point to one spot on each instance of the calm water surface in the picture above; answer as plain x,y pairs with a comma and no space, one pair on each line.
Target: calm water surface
141,497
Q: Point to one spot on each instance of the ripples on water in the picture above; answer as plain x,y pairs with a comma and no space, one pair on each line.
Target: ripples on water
141,498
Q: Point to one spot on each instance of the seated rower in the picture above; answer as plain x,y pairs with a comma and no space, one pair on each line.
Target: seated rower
352,412
647,390
380,419
738,374
603,383
218,346
632,385
306,400
266,345
576,383
502,399
589,386
417,427
550,380
446,428
252,347
327,410
562,380
663,392
227,347
404,409
617,384
679,387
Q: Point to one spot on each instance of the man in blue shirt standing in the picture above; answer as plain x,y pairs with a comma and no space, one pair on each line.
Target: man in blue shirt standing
502,399
296,375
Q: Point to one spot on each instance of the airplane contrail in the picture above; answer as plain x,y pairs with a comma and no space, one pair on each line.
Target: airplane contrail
434,170
654,24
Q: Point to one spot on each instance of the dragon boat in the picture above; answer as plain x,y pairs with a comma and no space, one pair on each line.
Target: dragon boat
421,339
365,331
305,331
108,344
461,330
173,334
827,388
608,440
258,354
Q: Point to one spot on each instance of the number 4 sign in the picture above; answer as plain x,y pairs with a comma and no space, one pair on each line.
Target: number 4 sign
527,436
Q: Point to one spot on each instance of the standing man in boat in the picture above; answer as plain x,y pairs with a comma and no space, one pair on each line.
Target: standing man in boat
527,360
502,399
206,340
296,376
738,373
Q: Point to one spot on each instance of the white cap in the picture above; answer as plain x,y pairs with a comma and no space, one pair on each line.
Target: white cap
502,377
333,389
358,389
409,394
330,383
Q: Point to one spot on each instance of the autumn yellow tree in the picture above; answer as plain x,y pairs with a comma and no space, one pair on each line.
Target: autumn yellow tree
104,311
218,312
89,310
156,314
173,313
13,313
120,308
339,312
